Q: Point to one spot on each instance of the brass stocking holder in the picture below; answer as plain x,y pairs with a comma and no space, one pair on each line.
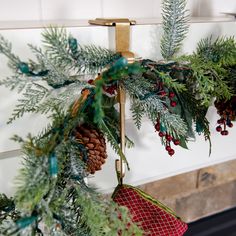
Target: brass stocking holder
122,39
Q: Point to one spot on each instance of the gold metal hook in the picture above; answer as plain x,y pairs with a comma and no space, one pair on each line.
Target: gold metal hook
122,38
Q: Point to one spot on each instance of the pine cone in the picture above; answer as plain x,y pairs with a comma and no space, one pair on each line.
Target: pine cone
94,142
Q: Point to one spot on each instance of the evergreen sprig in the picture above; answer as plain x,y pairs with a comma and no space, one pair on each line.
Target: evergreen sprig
222,50
58,66
63,204
7,209
145,101
32,96
67,53
6,49
175,27
210,65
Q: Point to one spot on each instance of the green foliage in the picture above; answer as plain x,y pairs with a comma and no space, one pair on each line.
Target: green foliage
68,54
175,27
210,66
99,211
51,187
62,203
6,49
145,100
7,209
222,50
57,66
33,95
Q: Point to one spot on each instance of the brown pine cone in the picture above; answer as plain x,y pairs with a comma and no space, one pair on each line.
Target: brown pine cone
94,142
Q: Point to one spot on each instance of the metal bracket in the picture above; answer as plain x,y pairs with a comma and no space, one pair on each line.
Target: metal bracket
122,37
122,34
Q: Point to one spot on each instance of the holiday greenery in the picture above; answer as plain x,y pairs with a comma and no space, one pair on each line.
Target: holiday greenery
77,86
175,27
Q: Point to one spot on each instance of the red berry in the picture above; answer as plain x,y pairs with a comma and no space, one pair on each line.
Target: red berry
161,134
111,89
173,103
163,93
218,128
171,94
224,132
168,137
220,121
90,81
230,125
171,152
176,142
168,148
157,127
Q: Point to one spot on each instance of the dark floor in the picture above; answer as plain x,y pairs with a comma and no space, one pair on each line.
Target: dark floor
223,224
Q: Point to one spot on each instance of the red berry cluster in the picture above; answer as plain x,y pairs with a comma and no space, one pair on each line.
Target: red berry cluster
227,112
171,96
164,94
222,125
111,89
166,138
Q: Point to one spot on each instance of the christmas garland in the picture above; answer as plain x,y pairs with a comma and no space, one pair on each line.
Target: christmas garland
52,197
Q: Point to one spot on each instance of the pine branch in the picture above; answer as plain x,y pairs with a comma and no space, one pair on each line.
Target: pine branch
65,50
149,103
7,209
33,95
105,214
61,99
174,26
57,76
95,58
33,183
222,50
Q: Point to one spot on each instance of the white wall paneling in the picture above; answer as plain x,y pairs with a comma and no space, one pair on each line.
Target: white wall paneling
13,10
215,7
72,9
8,171
148,160
129,8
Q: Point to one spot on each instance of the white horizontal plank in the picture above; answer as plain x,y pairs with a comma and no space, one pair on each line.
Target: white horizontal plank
39,24
10,154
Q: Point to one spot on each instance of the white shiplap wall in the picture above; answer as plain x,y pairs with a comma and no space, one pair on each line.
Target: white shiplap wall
148,160
85,9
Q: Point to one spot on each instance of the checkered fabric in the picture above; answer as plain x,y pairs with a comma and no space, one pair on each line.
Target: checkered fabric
153,217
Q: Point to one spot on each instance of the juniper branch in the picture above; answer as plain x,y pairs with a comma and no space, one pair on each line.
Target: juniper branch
6,49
